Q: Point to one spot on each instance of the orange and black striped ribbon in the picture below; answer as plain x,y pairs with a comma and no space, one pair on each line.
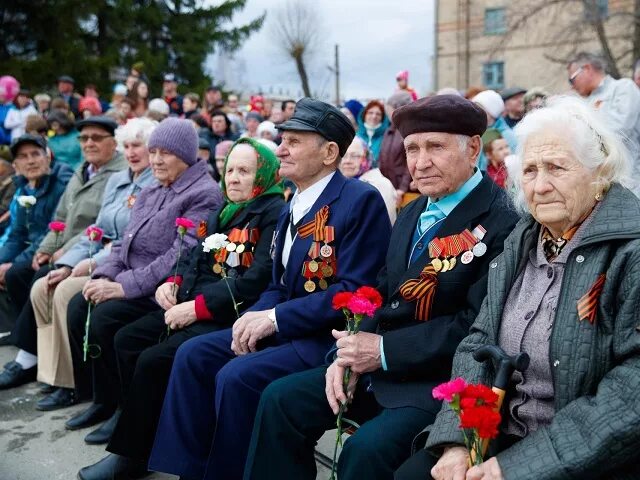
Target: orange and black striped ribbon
588,303
421,289
202,229
316,226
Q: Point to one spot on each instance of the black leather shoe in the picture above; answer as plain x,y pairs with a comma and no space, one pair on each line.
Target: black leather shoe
60,398
103,434
114,467
93,415
14,375
46,389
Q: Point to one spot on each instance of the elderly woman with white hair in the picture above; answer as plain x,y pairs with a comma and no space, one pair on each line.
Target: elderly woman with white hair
55,366
566,291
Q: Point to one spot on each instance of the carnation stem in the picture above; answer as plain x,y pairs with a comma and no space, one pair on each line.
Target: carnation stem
175,274
226,282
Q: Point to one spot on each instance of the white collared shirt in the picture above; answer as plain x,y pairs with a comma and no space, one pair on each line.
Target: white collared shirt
300,205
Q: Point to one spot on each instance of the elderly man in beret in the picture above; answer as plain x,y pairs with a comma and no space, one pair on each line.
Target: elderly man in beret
433,284
332,237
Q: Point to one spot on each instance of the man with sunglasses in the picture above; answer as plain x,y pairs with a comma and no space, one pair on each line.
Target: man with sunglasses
618,100
78,208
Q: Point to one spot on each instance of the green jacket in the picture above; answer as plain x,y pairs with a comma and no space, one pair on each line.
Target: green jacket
80,204
595,432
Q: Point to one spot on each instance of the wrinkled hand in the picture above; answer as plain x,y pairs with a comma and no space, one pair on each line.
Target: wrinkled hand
82,268
56,276
165,295
489,470
101,290
4,268
181,316
249,329
361,351
334,388
453,464
57,254
40,258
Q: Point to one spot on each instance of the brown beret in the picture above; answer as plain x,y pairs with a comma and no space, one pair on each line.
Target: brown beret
441,113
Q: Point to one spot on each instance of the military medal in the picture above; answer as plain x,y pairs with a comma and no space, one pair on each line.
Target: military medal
480,248
437,264
445,266
452,263
240,248
327,271
309,286
233,260
217,268
323,284
131,200
326,251
231,247
467,257
313,266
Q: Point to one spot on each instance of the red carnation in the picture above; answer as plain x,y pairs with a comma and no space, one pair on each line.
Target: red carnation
57,227
184,223
94,233
483,419
370,294
341,300
480,394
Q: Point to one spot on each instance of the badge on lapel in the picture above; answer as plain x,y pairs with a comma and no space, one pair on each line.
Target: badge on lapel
321,267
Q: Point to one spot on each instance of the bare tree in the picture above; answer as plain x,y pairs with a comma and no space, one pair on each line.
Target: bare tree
297,30
572,23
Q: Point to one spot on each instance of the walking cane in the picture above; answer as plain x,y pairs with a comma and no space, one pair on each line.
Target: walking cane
504,366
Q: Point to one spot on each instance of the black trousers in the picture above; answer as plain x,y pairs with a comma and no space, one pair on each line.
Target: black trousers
294,413
106,319
418,467
145,357
19,279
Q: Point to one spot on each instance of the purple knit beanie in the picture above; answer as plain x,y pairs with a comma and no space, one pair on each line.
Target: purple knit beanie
178,137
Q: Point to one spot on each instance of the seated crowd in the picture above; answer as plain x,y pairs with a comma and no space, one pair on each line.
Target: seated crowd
193,304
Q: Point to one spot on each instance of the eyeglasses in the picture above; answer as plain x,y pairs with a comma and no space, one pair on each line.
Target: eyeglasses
573,76
94,138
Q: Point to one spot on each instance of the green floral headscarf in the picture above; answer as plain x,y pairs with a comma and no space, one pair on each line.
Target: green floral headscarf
267,180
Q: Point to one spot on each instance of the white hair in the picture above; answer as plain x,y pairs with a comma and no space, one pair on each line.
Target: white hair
135,129
595,145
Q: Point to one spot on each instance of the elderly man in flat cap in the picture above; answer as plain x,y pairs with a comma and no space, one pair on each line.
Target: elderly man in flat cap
333,236
433,284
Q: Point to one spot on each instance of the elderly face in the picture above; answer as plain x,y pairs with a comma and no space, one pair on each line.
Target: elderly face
137,155
514,106
304,157
558,189
98,145
352,160
437,164
240,174
32,162
581,78
166,166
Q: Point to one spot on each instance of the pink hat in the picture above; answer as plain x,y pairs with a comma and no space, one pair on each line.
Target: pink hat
10,87
403,75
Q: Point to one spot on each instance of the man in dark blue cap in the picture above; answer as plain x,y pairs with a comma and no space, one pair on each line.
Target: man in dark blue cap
66,84
433,283
332,237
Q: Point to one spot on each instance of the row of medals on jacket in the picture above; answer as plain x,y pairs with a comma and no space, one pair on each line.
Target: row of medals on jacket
327,270
231,247
468,243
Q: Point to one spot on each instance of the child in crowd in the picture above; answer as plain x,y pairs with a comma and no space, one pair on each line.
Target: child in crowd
496,149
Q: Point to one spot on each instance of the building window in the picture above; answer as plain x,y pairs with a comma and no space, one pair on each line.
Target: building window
493,75
495,21
596,10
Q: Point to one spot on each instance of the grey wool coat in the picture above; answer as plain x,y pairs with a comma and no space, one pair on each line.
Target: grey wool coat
595,432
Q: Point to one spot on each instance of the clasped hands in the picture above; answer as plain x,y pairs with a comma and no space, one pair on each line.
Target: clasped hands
249,329
100,290
454,465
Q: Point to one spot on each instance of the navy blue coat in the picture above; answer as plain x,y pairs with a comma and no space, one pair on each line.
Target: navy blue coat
362,231
23,242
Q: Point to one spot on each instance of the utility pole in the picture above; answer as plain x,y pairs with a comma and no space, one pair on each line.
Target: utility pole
337,71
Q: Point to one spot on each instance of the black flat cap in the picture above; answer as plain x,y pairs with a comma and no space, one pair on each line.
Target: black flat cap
36,140
326,120
507,93
101,121
66,78
441,113
203,143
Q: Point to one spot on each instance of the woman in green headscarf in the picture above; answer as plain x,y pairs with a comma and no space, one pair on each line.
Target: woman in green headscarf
209,284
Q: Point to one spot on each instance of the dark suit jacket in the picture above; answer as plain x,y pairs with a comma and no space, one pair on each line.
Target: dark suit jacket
393,160
419,354
246,283
362,230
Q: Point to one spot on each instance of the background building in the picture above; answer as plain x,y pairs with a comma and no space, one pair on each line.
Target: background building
499,43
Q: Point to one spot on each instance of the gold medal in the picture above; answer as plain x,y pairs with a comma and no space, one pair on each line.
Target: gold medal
452,263
327,271
437,264
231,247
217,269
313,266
309,286
445,266
323,284
326,251
240,248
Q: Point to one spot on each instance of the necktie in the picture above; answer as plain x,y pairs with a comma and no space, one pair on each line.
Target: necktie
430,216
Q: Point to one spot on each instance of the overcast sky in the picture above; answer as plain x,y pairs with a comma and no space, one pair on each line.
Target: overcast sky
377,38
